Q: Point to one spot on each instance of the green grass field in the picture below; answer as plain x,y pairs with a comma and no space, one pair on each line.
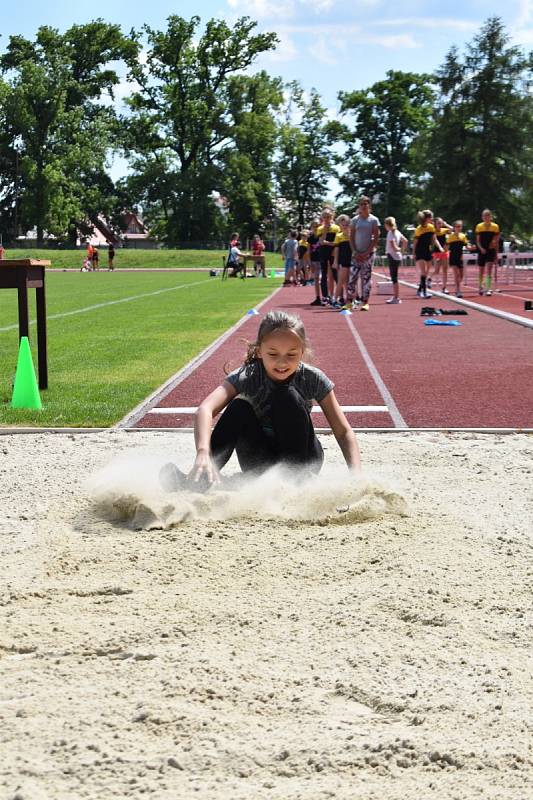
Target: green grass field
104,361
138,259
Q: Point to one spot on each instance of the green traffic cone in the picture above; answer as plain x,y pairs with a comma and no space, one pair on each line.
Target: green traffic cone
25,392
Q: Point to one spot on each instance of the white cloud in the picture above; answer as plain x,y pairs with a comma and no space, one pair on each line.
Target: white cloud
263,9
428,22
285,51
400,41
323,52
523,24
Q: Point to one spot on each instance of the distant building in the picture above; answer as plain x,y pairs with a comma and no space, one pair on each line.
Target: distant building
134,234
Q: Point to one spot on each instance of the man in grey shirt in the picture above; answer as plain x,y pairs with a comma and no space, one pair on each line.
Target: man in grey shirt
364,239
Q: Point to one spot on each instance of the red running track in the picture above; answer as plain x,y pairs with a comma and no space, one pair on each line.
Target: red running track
479,375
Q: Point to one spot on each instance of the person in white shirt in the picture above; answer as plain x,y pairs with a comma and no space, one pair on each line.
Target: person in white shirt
395,244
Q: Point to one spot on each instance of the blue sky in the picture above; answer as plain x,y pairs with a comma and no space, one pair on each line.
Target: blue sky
326,44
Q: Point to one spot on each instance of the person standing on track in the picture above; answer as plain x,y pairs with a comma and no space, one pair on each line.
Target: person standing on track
487,240
302,269
395,244
267,402
313,241
342,261
440,257
456,242
289,252
326,232
364,239
425,240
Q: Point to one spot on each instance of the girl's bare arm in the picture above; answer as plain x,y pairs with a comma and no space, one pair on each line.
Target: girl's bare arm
342,431
209,408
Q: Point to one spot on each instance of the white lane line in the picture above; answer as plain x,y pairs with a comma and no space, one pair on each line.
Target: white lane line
111,303
150,402
314,410
397,418
495,312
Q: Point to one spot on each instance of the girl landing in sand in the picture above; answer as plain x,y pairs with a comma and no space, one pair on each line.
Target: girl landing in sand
267,404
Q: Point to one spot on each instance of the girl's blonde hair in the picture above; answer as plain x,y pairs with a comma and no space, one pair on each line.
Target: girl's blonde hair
343,219
423,216
391,221
278,321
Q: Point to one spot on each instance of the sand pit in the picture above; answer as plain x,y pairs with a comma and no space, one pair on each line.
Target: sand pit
267,646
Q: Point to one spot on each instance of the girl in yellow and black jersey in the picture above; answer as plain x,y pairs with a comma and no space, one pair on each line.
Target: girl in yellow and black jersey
440,257
326,231
487,240
456,242
425,241
342,260
302,267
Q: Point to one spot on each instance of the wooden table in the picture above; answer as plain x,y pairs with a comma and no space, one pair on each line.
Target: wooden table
23,274
255,260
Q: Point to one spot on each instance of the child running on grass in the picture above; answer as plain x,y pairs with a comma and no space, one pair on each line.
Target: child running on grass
456,242
395,242
267,404
487,239
425,240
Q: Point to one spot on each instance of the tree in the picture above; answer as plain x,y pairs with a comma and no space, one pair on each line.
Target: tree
181,118
387,119
305,158
480,150
57,130
248,162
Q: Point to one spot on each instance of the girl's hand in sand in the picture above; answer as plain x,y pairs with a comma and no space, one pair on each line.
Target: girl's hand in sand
204,465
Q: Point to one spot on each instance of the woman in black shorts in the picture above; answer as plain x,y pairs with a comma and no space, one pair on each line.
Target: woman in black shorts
425,241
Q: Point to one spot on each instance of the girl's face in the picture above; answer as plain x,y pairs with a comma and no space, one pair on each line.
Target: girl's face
281,353
487,217
327,217
458,228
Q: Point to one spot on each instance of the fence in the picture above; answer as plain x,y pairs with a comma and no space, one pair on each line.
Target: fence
511,268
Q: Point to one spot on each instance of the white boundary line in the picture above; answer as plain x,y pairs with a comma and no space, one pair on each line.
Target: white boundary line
150,402
409,431
314,410
527,323
110,303
397,418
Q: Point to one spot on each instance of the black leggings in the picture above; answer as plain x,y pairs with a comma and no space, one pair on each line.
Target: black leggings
293,441
324,276
393,268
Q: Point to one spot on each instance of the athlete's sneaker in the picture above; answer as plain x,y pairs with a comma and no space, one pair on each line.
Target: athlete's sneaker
489,292
419,293
445,290
428,283
316,302
481,292
426,294
335,304
346,307
365,307
458,294
394,301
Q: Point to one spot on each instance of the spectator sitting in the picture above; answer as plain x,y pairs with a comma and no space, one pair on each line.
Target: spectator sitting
234,263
